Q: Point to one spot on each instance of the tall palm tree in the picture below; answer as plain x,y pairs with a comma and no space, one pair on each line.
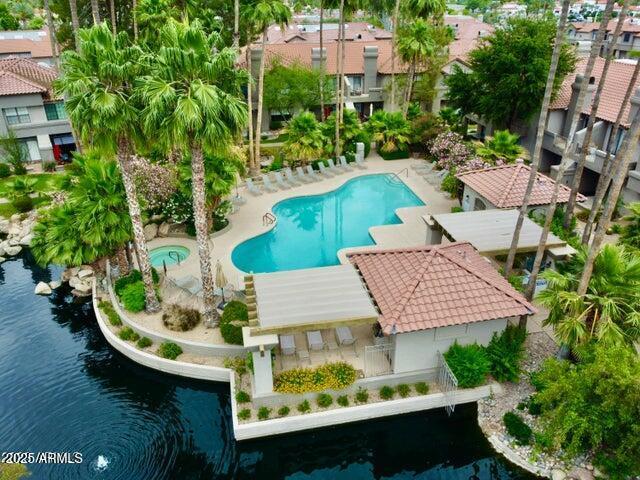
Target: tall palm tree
97,83
415,46
112,9
52,33
631,232
395,22
75,23
263,14
305,141
542,124
95,11
584,150
339,78
192,101
567,157
134,9
502,146
236,25
322,59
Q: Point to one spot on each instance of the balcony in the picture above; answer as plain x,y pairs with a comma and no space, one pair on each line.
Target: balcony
633,184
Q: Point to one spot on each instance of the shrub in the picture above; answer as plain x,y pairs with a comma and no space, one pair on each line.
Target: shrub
133,277
242,397
469,363
456,209
451,185
49,166
112,315
343,401
304,407
387,392
127,333
517,428
23,203
19,168
362,395
534,406
396,155
5,170
180,319
133,298
403,390
244,414
237,364
169,350
263,413
144,342
324,400
283,411
334,376
505,352
234,317
422,388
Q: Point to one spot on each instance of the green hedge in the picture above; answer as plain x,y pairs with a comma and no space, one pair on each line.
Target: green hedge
517,428
169,350
133,298
397,155
469,363
505,352
234,317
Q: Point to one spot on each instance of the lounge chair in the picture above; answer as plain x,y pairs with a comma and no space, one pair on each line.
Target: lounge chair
314,338
287,346
280,181
253,188
360,162
333,167
324,170
266,181
190,284
345,338
436,178
312,174
302,177
344,164
331,343
422,167
290,177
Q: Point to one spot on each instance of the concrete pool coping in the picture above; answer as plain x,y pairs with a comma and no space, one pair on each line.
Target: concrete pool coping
247,220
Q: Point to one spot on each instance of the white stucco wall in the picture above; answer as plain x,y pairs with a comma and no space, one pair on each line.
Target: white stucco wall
469,196
418,350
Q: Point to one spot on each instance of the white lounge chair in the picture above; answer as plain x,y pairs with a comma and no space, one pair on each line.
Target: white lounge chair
189,284
312,174
302,176
436,179
360,162
423,168
287,347
324,170
345,338
266,181
314,339
344,164
290,177
253,189
333,167
280,181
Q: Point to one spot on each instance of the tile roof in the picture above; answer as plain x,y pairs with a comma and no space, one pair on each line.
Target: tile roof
38,46
505,186
432,286
469,31
21,76
593,26
612,97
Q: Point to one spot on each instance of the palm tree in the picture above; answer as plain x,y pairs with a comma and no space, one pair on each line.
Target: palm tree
502,146
427,8
263,14
152,15
339,77
305,141
112,9
52,33
542,125
390,131
630,235
608,311
75,23
134,14
95,12
586,142
97,82
415,46
567,153
192,101
395,22
236,25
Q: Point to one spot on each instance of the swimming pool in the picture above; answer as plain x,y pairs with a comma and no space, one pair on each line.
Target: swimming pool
169,255
311,229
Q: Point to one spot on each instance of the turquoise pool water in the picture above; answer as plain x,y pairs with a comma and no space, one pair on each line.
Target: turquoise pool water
311,229
170,255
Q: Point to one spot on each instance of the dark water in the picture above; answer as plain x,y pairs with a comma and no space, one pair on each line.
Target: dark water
63,389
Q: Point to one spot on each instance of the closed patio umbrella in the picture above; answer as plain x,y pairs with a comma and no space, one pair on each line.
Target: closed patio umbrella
221,281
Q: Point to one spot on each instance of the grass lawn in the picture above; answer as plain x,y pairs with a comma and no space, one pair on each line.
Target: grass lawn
283,137
45,182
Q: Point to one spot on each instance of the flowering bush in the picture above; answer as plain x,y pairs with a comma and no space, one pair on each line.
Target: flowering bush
155,183
335,376
450,152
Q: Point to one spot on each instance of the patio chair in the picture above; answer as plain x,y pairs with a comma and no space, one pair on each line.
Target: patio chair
344,164
360,163
266,181
345,338
188,284
302,176
290,177
311,173
253,188
333,167
287,347
314,338
331,343
422,168
324,170
280,181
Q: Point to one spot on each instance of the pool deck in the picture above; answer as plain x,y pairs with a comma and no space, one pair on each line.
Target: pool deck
246,222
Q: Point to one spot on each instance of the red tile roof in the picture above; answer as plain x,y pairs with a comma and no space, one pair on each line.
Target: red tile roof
22,76
435,286
615,87
40,48
505,186
593,26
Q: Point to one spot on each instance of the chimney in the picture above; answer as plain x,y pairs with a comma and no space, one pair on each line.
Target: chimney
370,68
635,105
316,58
575,90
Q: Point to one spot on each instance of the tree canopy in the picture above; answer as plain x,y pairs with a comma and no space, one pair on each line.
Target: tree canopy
508,72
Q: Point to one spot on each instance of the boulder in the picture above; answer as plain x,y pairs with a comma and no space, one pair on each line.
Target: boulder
2,259
150,231
4,226
13,241
83,287
85,273
14,229
13,250
26,240
54,284
2,252
74,281
163,229
557,474
16,217
42,289
156,218
79,293
66,275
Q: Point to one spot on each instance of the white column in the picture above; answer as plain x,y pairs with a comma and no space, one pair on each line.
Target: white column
262,372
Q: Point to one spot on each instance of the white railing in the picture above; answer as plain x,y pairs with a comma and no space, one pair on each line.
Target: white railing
447,382
378,360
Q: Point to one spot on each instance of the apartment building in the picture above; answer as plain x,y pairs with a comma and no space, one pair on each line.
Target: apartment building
582,35
32,44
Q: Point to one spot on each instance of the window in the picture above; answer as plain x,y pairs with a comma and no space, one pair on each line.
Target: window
17,115
30,150
356,83
627,37
55,111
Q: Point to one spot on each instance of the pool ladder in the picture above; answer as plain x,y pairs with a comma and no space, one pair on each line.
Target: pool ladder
173,255
268,219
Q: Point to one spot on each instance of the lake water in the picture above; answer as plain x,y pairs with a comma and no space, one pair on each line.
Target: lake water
63,389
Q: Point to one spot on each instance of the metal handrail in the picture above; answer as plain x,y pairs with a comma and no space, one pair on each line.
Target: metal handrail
406,170
176,257
268,218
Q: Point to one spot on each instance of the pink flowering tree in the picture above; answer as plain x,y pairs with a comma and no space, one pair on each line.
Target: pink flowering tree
155,182
450,152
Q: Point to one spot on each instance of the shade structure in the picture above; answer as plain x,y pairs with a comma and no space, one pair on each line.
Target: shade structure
299,300
221,279
491,231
